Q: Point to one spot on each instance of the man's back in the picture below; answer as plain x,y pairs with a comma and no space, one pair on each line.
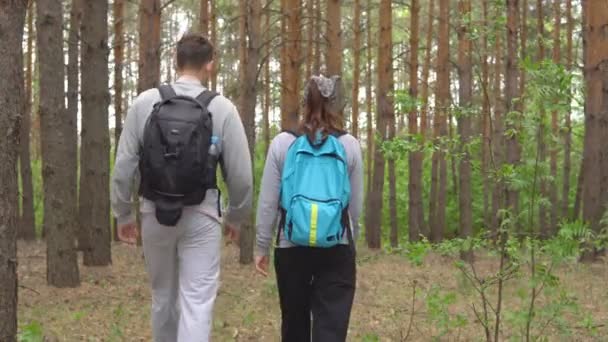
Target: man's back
232,143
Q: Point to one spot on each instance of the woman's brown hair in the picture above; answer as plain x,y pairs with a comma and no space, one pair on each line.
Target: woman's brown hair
319,116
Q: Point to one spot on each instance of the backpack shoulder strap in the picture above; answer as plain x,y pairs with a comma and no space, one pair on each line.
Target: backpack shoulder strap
206,97
296,135
339,134
166,92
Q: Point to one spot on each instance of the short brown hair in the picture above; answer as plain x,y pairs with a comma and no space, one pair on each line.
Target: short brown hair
194,51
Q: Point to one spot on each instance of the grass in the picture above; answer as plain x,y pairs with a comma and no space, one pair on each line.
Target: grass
112,304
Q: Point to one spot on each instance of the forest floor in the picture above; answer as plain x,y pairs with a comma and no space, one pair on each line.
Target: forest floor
112,304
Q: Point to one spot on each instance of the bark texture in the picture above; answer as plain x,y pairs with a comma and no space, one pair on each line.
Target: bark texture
94,196
12,107
60,218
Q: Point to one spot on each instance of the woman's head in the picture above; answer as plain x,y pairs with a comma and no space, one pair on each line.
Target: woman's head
322,107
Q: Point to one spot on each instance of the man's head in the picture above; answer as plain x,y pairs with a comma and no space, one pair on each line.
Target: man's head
194,56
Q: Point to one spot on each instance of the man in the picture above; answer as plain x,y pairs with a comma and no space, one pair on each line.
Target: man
183,254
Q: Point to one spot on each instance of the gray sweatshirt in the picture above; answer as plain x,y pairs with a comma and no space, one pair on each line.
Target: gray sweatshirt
227,126
268,202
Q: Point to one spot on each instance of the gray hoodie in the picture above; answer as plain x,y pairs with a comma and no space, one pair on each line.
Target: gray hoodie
268,202
227,126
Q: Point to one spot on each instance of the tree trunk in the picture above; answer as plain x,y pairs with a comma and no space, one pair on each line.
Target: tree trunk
368,100
334,38
576,211
486,117
213,28
149,45
204,18
553,197
249,56
542,147
415,157
95,147
318,24
356,69
290,63
311,36
73,80
524,47
383,115
56,128
424,117
27,222
568,121
512,95
204,23
392,190
426,71
12,96
497,145
442,100
595,45
267,81
465,77
119,48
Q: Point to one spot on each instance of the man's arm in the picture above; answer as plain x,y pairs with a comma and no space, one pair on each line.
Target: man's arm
356,184
236,167
127,160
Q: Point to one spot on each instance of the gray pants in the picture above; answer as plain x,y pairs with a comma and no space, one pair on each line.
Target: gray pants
183,265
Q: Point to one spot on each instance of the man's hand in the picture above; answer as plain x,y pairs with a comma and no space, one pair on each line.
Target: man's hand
261,264
232,233
128,233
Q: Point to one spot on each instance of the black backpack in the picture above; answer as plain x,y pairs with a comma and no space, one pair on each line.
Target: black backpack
176,168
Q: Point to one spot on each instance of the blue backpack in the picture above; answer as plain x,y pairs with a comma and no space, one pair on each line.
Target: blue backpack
315,192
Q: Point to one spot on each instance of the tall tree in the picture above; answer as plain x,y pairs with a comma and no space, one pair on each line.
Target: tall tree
59,200
318,24
512,95
524,46
553,197
542,144
485,117
267,80
595,45
118,15
204,21
73,78
356,69
149,44
27,223
424,110
213,34
368,96
249,60
415,158
568,120
311,36
12,19
204,18
290,62
442,100
95,137
465,88
426,70
334,37
498,138
384,112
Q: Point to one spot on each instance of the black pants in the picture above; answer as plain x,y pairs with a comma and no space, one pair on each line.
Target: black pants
320,281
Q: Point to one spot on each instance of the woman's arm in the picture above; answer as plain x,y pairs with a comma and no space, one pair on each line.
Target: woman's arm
268,201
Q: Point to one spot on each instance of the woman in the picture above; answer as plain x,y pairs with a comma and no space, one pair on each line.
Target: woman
316,274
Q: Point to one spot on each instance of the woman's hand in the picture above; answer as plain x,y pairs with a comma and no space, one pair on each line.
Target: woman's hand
261,264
